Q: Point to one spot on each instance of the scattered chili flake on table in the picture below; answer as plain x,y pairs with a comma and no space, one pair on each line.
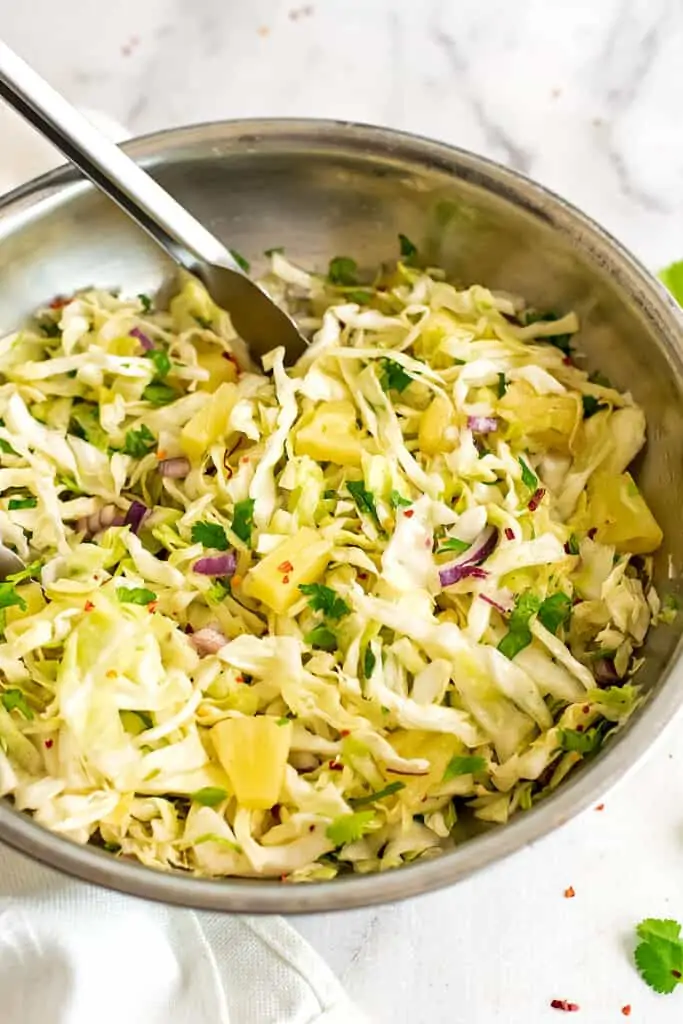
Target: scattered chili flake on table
600,807
565,1005
626,1010
569,893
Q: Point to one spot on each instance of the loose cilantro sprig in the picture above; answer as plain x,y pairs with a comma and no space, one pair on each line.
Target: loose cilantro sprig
139,443
211,535
243,520
453,544
365,500
347,828
659,955
555,611
394,377
15,699
529,478
323,638
518,635
135,595
342,271
324,599
463,764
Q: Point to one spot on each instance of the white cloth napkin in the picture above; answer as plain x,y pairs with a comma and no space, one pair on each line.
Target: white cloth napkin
74,954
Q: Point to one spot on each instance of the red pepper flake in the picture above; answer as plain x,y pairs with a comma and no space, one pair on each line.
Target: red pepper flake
244,460
283,878
285,567
48,744
565,1005
285,579
676,974
509,533
568,361
161,454
586,709
362,575
536,499
335,766
59,302
579,727
600,807
88,606
230,357
152,606
569,893
626,1010
344,732
409,513
239,679
592,532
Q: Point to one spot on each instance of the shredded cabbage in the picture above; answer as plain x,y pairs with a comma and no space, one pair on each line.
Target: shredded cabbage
296,623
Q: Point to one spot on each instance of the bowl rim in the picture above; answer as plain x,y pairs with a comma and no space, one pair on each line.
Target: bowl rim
260,896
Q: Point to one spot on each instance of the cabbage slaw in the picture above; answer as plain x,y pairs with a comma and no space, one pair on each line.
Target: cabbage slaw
301,622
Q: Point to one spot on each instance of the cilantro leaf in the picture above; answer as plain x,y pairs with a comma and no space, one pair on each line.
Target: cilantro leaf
365,500
347,828
672,278
211,535
529,478
408,249
502,385
323,638
162,364
9,596
85,423
209,796
454,544
243,520
591,405
324,599
342,270
659,955
15,699
380,794
561,341
139,443
584,743
518,635
17,503
135,595
397,500
573,544
394,377
159,394
555,611
360,296
6,447
463,765
240,260
145,302
369,662
30,571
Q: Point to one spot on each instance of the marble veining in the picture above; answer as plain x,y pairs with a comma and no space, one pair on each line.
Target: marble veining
585,96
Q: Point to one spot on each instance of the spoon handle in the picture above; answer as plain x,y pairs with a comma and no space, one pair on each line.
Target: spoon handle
184,238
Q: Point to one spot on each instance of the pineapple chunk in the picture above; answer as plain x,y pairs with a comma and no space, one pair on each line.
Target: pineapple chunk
212,357
437,748
254,753
301,558
433,434
207,425
331,435
620,514
545,421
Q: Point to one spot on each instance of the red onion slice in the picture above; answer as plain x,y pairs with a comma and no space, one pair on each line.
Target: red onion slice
135,515
176,468
208,641
468,562
146,343
217,565
482,424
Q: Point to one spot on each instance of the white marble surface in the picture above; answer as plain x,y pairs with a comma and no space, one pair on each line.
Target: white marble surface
585,96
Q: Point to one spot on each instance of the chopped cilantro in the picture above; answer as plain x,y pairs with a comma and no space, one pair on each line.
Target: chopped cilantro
112,847
145,302
211,535
659,955
17,503
408,249
561,341
555,611
135,595
518,635
394,377
360,295
584,743
502,385
347,828
50,329
85,423
9,596
369,662
342,270
591,405
529,478
15,699
365,500
397,500
159,394
573,544
323,638
243,520
239,259
162,364
218,591
283,721
324,599
454,544
209,796
380,794
465,764
140,442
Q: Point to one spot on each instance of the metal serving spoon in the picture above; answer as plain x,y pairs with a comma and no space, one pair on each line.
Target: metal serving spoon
256,318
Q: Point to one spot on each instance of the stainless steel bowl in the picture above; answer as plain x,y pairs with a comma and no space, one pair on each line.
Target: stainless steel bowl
321,189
